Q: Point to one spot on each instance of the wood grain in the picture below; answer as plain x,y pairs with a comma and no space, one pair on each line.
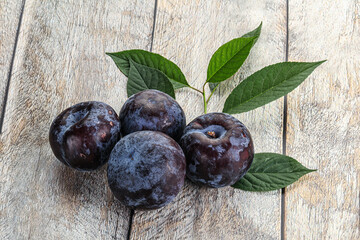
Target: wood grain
10,12
188,33
60,61
324,121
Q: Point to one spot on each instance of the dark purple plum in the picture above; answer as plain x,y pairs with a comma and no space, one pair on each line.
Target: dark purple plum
152,110
146,170
83,135
218,149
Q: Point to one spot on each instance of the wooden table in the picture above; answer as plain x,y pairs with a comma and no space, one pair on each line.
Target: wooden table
52,56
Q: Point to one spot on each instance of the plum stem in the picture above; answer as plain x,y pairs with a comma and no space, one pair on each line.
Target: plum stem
211,134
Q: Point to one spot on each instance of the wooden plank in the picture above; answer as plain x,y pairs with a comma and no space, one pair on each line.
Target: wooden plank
10,12
188,33
60,60
323,123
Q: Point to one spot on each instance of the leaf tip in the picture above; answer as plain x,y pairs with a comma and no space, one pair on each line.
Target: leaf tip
112,55
316,64
319,63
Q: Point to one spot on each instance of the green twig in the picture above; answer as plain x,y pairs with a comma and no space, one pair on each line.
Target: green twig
204,97
195,89
207,101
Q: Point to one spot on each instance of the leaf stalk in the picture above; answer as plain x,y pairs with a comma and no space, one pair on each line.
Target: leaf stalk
207,101
204,98
195,89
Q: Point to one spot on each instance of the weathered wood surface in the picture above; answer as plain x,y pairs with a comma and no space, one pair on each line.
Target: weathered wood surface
189,34
324,121
60,60
10,12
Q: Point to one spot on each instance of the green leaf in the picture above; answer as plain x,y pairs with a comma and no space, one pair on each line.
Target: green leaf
271,171
267,85
152,60
253,34
229,57
142,77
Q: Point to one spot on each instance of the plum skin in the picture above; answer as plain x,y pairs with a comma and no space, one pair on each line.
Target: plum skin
146,170
152,110
219,150
83,135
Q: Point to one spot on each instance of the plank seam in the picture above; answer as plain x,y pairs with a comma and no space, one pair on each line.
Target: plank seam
7,87
132,212
154,22
117,225
283,191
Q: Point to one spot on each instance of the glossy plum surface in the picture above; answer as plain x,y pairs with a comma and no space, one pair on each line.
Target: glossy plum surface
218,149
146,170
83,135
152,110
